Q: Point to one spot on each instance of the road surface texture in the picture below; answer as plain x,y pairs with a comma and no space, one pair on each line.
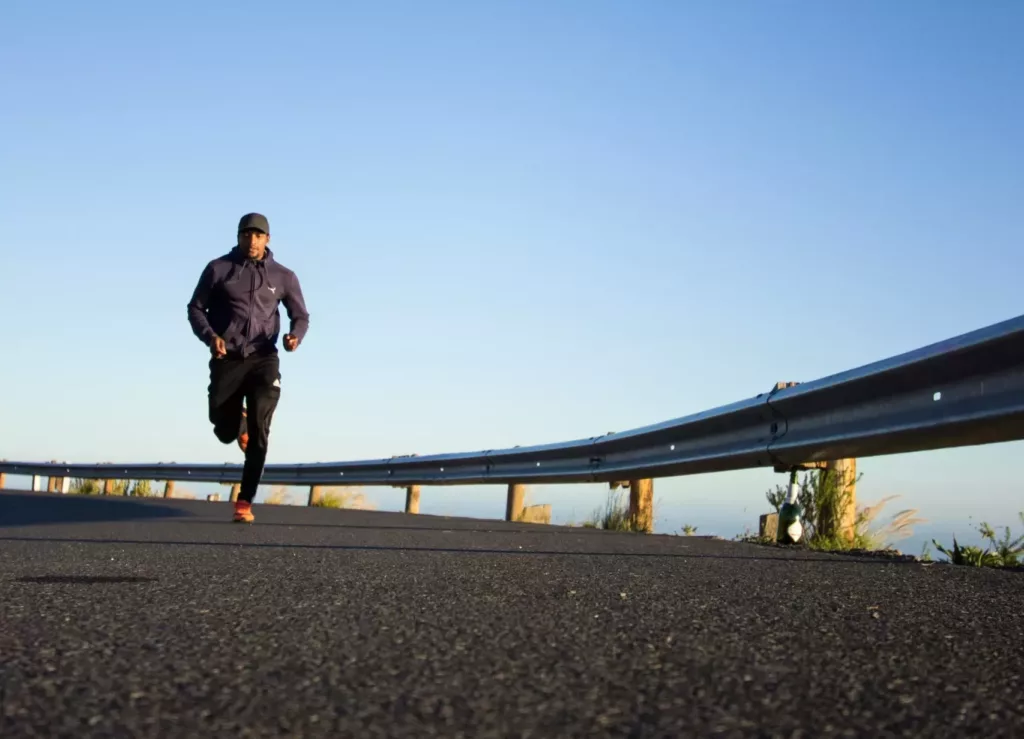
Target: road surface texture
129,617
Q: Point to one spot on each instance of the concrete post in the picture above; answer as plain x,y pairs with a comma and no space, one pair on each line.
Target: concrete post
169,489
37,483
514,503
315,494
236,489
412,499
641,505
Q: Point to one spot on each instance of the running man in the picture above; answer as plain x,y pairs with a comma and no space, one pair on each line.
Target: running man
234,311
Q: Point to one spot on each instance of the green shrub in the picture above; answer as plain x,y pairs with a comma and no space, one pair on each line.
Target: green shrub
80,486
1004,553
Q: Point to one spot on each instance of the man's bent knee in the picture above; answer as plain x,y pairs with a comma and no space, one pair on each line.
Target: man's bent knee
225,435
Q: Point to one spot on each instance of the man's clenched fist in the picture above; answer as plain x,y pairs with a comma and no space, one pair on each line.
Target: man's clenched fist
291,342
218,348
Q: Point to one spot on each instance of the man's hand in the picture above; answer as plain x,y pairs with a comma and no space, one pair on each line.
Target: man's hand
218,348
291,342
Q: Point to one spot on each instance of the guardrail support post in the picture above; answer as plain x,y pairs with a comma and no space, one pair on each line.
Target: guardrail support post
412,499
36,483
3,480
844,477
315,494
514,503
108,487
641,505
169,489
236,489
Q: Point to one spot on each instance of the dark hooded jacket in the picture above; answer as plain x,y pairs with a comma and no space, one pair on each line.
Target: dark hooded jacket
237,299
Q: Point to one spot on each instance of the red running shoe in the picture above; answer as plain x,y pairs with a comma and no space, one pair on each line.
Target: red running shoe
243,512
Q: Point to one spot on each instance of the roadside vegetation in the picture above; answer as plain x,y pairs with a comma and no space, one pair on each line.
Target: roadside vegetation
278,496
137,488
823,496
1004,552
613,515
344,497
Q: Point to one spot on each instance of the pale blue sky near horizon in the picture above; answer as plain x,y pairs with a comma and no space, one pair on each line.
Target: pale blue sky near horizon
513,224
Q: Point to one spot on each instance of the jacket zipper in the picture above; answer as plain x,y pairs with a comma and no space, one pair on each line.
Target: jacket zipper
252,301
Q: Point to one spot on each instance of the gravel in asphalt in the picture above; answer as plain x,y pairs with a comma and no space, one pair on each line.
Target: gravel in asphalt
128,617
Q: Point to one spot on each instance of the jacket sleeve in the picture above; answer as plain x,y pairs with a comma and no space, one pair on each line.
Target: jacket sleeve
199,303
295,304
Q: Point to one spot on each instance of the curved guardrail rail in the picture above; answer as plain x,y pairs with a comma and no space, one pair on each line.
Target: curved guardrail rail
963,391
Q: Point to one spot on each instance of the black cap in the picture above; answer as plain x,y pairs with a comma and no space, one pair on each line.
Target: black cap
254,221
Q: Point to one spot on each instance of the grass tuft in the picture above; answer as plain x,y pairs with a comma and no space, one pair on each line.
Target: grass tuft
1005,552
613,515
344,497
278,496
80,486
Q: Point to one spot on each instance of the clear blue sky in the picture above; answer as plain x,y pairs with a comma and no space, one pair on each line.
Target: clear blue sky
514,223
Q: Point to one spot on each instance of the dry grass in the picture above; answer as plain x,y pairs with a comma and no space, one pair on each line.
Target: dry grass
900,526
85,487
279,495
613,516
873,537
345,497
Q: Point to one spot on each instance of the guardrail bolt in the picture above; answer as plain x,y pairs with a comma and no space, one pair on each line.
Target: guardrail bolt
641,505
412,499
514,503
790,529
169,489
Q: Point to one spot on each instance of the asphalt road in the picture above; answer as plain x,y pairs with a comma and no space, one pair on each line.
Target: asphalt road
127,617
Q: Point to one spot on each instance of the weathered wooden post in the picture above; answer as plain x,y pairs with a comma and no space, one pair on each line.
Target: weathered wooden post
641,505
3,480
514,502
412,499
235,490
842,473
169,489
315,495
108,487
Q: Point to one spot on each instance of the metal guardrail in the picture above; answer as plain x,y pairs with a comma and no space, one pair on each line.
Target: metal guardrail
963,391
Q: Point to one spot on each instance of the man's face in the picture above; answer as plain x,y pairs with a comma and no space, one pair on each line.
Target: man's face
253,243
